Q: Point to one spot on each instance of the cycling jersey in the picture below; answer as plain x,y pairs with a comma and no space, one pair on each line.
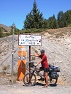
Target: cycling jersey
44,61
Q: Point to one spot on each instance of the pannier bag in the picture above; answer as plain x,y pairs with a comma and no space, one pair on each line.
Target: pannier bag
54,68
54,75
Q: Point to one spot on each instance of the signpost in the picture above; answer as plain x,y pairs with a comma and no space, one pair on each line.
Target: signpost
29,40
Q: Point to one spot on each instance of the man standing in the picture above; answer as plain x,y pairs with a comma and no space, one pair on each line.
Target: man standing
44,64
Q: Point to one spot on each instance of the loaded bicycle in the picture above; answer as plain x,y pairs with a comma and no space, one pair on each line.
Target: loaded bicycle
32,76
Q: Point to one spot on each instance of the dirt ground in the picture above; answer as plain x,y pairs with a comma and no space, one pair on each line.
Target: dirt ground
57,44
6,87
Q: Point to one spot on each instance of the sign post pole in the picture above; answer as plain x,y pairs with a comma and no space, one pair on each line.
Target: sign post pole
29,40
12,51
29,60
29,53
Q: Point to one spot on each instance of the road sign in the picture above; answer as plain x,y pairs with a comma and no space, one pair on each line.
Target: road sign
29,40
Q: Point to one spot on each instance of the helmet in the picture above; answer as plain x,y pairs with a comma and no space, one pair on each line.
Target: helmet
42,51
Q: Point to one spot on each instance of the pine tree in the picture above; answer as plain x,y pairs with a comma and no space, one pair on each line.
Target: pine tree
60,19
68,17
52,22
34,19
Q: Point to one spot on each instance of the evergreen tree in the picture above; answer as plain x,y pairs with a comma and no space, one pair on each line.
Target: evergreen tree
34,19
67,17
52,22
45,24
60,19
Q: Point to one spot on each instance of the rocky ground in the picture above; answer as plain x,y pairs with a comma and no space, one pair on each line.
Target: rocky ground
57,44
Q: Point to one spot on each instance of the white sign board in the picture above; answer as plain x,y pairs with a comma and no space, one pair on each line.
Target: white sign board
29,40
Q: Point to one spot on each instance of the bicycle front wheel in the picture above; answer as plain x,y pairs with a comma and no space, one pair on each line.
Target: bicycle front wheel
29,78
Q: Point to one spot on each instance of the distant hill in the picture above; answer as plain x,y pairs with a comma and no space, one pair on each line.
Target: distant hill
5,28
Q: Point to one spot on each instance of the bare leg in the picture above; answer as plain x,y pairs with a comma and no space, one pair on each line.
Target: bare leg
46,78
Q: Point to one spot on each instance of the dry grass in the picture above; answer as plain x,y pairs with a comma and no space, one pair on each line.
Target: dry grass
58,32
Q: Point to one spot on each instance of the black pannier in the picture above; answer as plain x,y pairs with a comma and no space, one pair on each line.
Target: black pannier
54,75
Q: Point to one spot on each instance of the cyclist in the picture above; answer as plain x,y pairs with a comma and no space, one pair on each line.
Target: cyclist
44,64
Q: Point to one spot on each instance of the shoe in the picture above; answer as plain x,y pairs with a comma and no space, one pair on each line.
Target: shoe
45,86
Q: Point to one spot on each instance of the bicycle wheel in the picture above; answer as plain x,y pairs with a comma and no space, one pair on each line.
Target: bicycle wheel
53,81
29,79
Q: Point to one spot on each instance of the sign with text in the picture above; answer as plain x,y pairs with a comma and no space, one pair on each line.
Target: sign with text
29,40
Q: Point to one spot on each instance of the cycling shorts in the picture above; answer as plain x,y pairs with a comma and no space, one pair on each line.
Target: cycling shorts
44,69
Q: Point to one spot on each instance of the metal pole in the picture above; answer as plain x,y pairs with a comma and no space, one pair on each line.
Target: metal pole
29,56
29,62
29,53
12,52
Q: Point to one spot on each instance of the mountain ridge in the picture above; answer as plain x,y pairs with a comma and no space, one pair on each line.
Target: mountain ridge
5,28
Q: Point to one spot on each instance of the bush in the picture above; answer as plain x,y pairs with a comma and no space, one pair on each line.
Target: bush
33,30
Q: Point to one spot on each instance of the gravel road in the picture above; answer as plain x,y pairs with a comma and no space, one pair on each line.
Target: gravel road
19,88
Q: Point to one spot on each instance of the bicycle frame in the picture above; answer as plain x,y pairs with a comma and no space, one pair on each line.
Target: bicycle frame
36,70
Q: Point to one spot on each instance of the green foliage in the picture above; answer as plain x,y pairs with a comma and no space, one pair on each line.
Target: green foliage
34,19
52,22
45,24
4,33
68,17
35,23
16,31
1,33
32,30
69,25
64,19
60,19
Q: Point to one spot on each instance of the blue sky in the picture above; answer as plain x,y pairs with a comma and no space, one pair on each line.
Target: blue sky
16,10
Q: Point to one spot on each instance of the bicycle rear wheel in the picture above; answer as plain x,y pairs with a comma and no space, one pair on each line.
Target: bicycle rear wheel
29,79
53,81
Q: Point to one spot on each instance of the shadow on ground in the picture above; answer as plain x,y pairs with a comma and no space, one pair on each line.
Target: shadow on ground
40,84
